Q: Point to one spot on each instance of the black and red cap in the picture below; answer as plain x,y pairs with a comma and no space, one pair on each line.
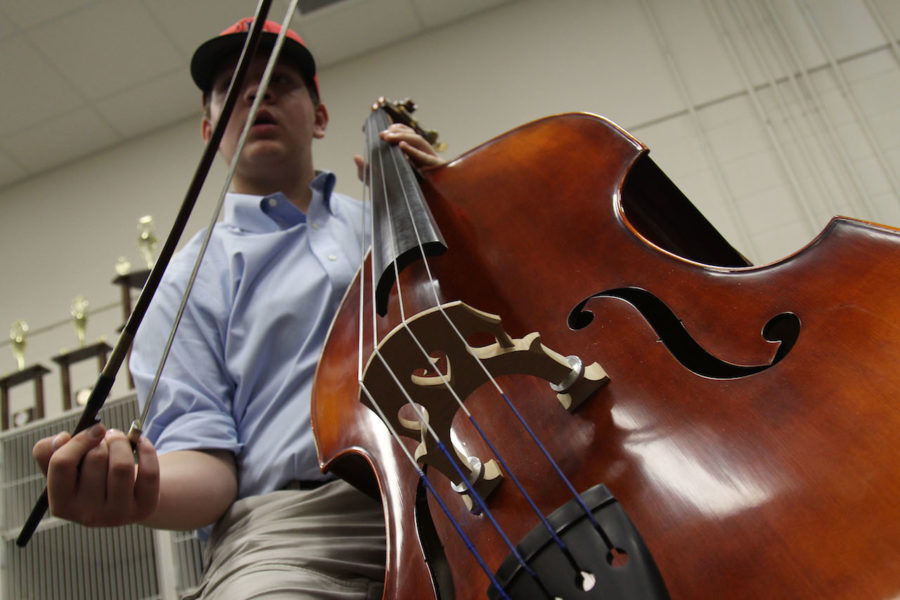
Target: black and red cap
209,55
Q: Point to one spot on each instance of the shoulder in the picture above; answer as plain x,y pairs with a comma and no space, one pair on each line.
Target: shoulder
213,254
344,203
347,209
212,282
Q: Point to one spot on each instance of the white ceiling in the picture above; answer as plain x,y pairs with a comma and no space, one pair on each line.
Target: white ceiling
82,75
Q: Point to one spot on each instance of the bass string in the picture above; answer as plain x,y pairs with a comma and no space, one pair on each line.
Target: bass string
395,158
396,161
373,164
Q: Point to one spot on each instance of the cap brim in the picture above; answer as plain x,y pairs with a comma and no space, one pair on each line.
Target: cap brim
209,56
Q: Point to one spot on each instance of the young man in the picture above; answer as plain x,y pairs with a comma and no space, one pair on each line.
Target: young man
230,418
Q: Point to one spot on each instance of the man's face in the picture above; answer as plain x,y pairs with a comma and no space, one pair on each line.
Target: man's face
286,124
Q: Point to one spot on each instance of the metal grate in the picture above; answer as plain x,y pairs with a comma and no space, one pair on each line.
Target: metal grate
64,561
188,560
68,562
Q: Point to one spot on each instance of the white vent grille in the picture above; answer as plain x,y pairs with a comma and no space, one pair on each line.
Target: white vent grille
68,561
188,560
64,561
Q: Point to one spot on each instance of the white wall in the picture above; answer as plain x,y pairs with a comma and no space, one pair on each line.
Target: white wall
663,69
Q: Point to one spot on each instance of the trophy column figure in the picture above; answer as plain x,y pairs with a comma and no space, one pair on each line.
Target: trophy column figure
18,334
147,240
127,279
99,350
79,317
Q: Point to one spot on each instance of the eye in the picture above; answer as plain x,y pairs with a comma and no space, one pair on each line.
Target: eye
286,78
221,84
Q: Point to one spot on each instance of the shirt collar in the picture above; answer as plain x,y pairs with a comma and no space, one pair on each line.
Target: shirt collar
273,212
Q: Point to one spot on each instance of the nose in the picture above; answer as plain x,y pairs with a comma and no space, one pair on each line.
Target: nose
251,90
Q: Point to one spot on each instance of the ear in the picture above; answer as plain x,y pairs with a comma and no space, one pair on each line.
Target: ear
206,129
321,121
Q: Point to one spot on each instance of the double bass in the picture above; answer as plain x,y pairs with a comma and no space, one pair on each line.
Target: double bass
564,383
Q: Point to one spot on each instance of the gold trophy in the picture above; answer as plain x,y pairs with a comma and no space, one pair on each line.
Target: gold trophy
17,333
21,417
123,266
82,396
147,240
79,317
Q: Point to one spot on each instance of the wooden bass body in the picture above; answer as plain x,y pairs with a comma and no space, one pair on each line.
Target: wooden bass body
749,428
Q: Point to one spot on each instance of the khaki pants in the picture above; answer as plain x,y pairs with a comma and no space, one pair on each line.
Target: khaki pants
325,543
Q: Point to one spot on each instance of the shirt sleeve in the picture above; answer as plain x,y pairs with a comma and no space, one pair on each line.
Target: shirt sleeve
191,407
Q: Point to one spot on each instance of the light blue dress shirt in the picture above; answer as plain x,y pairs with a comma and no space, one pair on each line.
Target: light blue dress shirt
240,372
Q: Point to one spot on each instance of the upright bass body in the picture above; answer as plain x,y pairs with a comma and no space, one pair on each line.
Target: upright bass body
749,427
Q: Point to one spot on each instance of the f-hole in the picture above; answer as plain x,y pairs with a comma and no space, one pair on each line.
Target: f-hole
435,557
783,328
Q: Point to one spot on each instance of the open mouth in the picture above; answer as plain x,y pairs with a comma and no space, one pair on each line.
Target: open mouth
264,118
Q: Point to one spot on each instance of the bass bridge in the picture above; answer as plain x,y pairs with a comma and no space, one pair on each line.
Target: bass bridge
421,374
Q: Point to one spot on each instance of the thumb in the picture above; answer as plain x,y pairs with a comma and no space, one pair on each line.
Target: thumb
146,486
360,168
44,449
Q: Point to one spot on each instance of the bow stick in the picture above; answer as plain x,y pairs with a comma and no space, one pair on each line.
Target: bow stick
107,377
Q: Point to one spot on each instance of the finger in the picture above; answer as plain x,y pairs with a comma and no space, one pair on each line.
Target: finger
44,449
417,148
146,486
62,471
395,127
360,167
91,485
395,134
419,157
120,476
